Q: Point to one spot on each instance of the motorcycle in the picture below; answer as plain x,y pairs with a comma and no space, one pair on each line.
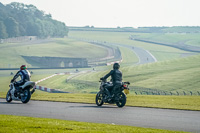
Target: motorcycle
23,93
120,98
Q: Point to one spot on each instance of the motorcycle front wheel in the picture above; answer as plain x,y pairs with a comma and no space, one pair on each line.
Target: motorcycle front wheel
8,97
121,100
26,96
99,99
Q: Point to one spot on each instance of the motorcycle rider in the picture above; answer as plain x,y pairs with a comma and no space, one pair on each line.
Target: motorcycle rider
116,78
25,76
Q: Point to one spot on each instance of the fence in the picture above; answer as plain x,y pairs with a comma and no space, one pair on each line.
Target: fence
18,39
177,93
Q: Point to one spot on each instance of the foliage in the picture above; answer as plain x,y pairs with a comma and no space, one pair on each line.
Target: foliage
3,33
26,20
12,27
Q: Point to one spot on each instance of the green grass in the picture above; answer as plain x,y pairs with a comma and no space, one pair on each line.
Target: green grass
168,102
11,53
173,38
150,101
18,124
161,53
175,75
128,56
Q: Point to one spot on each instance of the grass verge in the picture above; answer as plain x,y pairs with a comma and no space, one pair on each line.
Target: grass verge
170,102
150,101
10,124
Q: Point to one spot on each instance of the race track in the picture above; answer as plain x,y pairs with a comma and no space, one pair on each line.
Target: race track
133,116
143,55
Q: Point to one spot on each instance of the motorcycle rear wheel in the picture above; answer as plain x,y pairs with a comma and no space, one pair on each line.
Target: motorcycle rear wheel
121,100
99,99
8,97
27,96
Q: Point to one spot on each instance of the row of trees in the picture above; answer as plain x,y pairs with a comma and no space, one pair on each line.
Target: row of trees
18,19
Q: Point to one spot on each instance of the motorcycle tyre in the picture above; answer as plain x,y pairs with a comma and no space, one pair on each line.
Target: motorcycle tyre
8,97
28,96
97,98
122,100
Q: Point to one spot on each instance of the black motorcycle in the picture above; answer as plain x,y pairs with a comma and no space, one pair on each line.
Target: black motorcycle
120,98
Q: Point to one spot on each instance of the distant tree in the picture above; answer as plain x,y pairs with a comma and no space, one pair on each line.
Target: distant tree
33,29
3,33
48,15
20,20
3,13
12,27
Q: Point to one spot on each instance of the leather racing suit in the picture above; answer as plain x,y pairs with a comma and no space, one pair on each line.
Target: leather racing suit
116,78
25,76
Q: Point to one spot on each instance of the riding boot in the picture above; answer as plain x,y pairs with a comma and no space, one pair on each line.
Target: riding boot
108,94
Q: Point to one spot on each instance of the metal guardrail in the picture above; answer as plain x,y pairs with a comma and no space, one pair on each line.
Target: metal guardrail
177,93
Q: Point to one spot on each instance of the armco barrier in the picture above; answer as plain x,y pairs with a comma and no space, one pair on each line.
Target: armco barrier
42,88
49,89
176,93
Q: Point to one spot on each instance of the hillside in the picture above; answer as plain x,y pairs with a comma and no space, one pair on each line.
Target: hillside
13,54
178,75
186,41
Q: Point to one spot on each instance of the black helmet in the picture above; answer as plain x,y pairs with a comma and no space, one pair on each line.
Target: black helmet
116,66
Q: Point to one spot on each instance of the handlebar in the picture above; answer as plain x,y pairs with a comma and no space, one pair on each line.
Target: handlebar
127,83
13,81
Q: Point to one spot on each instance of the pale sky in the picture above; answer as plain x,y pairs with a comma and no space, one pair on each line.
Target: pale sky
122,13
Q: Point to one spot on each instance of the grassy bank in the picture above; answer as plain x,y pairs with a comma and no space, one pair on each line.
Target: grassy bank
173,38
161,53
179,75
11,53
170,102
18,124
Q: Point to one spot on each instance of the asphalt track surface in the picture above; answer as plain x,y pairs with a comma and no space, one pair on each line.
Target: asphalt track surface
143,55
179,120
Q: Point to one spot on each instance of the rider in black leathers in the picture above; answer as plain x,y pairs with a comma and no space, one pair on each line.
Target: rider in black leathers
24,74
116,78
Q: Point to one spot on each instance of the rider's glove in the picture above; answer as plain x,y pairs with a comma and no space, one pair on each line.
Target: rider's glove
12,80
102,78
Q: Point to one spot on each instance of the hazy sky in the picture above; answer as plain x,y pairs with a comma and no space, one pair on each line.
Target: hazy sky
123,13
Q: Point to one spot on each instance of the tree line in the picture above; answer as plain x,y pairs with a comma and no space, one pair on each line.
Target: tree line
18,19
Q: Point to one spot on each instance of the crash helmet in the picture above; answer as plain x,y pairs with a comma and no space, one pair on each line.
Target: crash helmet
116,66
23,67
